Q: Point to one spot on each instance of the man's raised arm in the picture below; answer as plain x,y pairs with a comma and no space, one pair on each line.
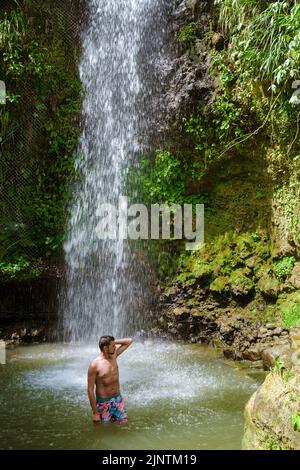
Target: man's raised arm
124,344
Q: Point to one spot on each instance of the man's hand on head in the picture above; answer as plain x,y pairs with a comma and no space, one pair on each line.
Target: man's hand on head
123,344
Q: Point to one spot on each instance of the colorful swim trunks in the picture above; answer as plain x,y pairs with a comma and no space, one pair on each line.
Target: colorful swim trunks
112,409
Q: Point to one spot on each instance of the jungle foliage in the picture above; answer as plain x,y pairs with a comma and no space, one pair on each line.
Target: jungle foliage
256,104
39,129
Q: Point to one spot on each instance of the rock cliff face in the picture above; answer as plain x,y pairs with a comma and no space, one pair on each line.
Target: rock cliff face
238,294
185,73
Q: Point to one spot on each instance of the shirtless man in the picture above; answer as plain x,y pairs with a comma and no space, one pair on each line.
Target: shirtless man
103,372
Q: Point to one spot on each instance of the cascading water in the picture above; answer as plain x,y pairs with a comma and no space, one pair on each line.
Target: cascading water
106,284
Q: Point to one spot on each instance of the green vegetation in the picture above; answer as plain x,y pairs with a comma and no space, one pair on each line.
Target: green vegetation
254,76
287,375
291,317
284,266
279,366
229,262
246,127
38,132
295,420
289,306
163,179
188,33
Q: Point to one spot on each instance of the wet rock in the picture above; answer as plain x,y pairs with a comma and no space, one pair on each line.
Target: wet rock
181,313
253,354
269,355
194,339
256,365
230,353
173,331
196,313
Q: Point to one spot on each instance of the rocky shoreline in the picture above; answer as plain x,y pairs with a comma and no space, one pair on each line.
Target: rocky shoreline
224,325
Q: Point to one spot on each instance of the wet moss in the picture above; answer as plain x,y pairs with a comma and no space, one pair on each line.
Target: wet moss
289,308
220,284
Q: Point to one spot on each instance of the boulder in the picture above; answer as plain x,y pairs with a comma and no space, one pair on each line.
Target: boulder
269,286
253,354
268,413
269,355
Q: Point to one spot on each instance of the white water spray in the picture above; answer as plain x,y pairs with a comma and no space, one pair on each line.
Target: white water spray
106,284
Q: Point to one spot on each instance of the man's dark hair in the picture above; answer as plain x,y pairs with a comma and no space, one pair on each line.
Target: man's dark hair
105,341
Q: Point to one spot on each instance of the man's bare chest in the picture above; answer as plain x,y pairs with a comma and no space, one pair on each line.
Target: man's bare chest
108,369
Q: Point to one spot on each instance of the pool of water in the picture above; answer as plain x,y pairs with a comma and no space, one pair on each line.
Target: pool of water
178,397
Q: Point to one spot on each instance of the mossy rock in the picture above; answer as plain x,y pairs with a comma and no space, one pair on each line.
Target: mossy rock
186,279
254,262
240,283
226,261
262,270
260,311
262,250
220,284
289,307
245,246
202,270
269,286
193,303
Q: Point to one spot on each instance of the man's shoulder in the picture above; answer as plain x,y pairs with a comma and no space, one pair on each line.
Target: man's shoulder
96,363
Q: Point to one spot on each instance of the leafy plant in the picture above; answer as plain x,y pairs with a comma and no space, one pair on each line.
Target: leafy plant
295,420
162,180
279,365
291,315
37,154
265,35
284,266
287,375
188,33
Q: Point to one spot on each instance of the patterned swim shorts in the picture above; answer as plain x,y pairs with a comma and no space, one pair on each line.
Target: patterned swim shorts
112,409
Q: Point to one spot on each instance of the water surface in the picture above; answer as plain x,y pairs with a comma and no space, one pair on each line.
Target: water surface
178,397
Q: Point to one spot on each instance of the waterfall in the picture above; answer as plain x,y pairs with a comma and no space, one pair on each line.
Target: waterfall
106,282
